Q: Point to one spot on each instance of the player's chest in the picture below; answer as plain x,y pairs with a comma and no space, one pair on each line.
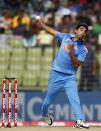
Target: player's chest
76,48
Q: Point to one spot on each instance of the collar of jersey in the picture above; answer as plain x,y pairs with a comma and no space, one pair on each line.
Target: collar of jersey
72,38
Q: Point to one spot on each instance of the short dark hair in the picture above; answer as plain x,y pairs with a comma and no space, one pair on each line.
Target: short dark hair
82,24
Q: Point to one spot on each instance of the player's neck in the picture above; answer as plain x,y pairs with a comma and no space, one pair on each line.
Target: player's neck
76,39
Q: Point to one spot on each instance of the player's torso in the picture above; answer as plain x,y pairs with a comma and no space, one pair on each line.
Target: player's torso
63,55
77,45
63,60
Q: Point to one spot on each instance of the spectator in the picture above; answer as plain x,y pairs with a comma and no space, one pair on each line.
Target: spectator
3,36
98,67
13,4
19,29
91,12
49,19
97,26
74,6
83,18
7,19
2,27
29,38
25,19
44,39
88,71
66,24
63,10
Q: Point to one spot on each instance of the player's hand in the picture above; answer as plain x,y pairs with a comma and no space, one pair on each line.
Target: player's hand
39,20
68,47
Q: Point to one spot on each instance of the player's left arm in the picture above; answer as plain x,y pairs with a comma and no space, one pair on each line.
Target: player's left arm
77,61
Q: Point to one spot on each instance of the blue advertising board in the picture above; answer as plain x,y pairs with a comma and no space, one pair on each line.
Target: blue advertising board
30,102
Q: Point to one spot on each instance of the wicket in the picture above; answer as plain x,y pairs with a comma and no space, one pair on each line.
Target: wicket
9,80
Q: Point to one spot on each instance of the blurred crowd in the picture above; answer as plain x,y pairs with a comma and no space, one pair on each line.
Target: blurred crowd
18,17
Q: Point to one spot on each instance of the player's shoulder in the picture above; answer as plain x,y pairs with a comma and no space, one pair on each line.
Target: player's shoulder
58,33
67,36
83,47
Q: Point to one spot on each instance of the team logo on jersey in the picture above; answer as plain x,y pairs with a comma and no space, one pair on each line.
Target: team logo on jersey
67,39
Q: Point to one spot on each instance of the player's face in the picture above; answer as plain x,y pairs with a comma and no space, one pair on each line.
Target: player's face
81,32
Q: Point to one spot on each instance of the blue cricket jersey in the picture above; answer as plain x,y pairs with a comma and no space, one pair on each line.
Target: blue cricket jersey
63,63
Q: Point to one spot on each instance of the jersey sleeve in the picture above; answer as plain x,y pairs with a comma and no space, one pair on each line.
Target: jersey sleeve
82,55
59,36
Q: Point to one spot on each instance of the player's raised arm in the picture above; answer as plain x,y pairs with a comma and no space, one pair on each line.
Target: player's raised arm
45,27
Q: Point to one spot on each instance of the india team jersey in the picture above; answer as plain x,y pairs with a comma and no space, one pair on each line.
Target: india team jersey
63,63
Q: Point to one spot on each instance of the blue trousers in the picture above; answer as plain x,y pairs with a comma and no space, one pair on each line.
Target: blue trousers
58,81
